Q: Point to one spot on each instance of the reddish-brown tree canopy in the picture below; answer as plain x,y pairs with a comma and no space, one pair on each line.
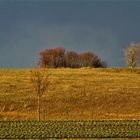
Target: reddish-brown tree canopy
58,57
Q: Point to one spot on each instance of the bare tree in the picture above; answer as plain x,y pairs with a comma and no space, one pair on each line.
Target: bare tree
89,59
40,82
132,55
53,57
71,59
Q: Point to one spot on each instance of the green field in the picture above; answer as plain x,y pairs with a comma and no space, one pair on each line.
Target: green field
69,129
73,94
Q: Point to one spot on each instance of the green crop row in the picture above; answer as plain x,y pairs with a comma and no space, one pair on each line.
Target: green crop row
69,129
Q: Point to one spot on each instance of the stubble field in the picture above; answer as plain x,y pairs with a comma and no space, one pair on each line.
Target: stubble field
73,94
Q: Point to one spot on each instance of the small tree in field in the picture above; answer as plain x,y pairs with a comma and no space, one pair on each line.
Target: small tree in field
132,55
40,82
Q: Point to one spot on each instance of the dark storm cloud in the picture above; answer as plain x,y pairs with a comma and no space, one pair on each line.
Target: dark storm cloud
27,27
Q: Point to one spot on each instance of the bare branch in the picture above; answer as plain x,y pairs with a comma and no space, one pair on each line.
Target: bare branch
40,82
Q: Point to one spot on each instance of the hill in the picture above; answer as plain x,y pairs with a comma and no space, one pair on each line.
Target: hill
73,94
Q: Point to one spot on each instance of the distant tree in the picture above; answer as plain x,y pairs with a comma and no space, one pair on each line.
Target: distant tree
89,59
132,55
58,57
45,59
53,57
71,59
39,80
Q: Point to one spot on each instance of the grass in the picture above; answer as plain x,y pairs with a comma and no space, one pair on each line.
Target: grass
73,94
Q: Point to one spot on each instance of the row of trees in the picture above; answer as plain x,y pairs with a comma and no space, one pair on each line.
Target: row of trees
58,57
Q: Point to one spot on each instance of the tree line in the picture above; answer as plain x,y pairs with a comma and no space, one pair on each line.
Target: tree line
58,57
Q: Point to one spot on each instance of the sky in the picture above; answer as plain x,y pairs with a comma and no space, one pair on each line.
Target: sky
105,27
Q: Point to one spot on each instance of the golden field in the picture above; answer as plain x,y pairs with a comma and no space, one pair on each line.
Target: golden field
73,94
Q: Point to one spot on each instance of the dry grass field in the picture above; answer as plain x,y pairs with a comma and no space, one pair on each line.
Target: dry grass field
73,94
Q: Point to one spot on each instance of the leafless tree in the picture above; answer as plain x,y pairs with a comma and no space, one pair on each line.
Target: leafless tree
72,59
53,57
40,82
89,59
132,55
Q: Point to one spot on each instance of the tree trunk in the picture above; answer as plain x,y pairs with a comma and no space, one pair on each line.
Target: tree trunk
38,110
